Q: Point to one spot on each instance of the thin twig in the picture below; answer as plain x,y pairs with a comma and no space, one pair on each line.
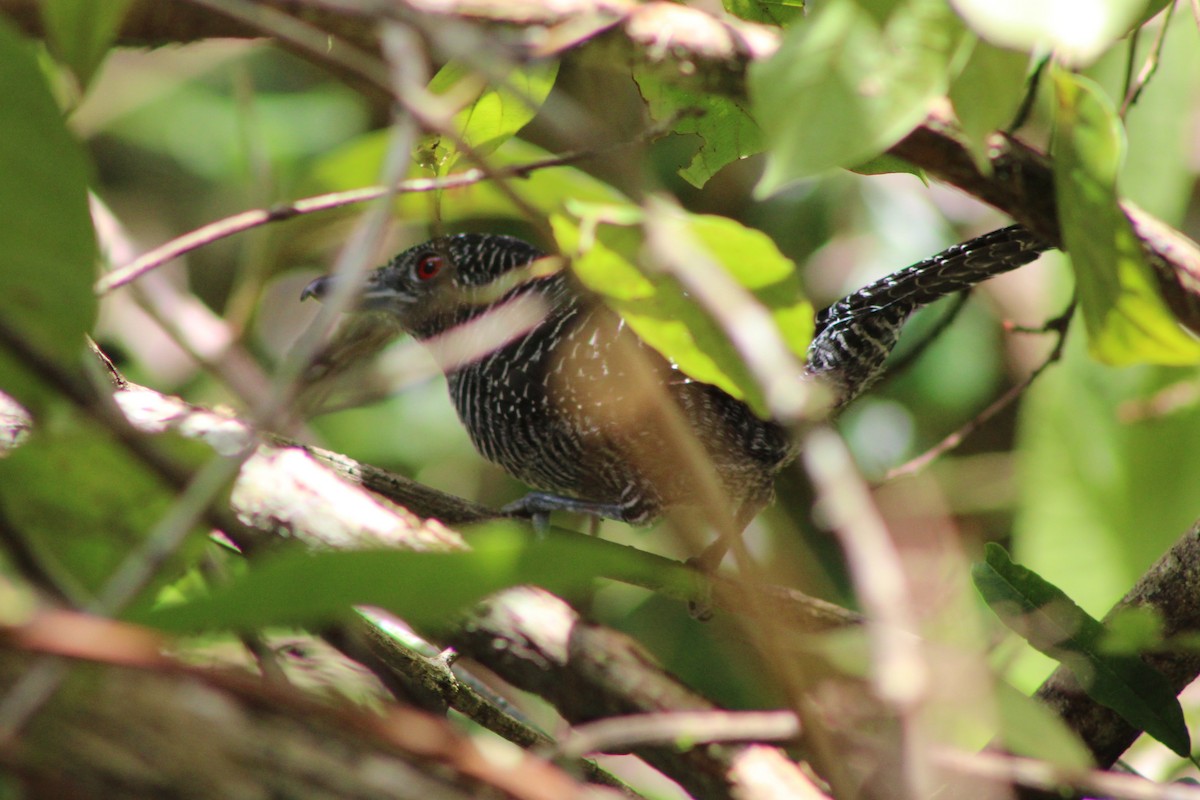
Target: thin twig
1133,92
1046,777
1130,58
409,95
744,320
689,728
245,220
1057,326
900,674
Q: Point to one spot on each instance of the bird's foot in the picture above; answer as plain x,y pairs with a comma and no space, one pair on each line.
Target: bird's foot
700,607
538,505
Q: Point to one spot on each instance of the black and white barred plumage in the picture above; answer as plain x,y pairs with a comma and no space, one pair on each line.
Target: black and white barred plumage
579,408
855,335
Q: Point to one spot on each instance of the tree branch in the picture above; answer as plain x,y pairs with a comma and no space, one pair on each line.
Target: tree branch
137,722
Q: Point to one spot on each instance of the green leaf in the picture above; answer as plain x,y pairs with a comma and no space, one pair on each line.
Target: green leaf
82,31
727,132
987,93
1056,626
200,127
79,499
769,12
1029,728
1127,320
604,243
844,85
47,250
493,115
888,164
426,589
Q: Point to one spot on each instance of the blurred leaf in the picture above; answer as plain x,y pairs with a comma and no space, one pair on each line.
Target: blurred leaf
987,93
769,12
726,131
205,129
1133,630
1029,728
1076,37
302,588
712,658
1050,621
47,251
79,498
1126,318
1100,499
843,85
1152,9
604,244
82,31
493,116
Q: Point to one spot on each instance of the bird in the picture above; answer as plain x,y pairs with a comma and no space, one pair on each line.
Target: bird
576,406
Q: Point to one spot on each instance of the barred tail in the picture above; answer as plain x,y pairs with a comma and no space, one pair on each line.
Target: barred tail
855,335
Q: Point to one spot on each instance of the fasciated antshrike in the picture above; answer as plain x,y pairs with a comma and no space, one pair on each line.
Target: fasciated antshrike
576,406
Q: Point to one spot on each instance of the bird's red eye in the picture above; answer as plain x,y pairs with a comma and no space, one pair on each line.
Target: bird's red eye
428,265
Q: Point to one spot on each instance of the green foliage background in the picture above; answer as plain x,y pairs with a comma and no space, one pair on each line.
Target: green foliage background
1082,483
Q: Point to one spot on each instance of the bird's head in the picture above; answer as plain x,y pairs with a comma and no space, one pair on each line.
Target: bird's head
445,282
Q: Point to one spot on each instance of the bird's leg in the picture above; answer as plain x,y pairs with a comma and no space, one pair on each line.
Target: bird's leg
729,537
710,557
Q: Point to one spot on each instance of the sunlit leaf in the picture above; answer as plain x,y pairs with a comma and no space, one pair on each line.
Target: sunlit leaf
495,114
1127,320
1051,622
1075,33
605,246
